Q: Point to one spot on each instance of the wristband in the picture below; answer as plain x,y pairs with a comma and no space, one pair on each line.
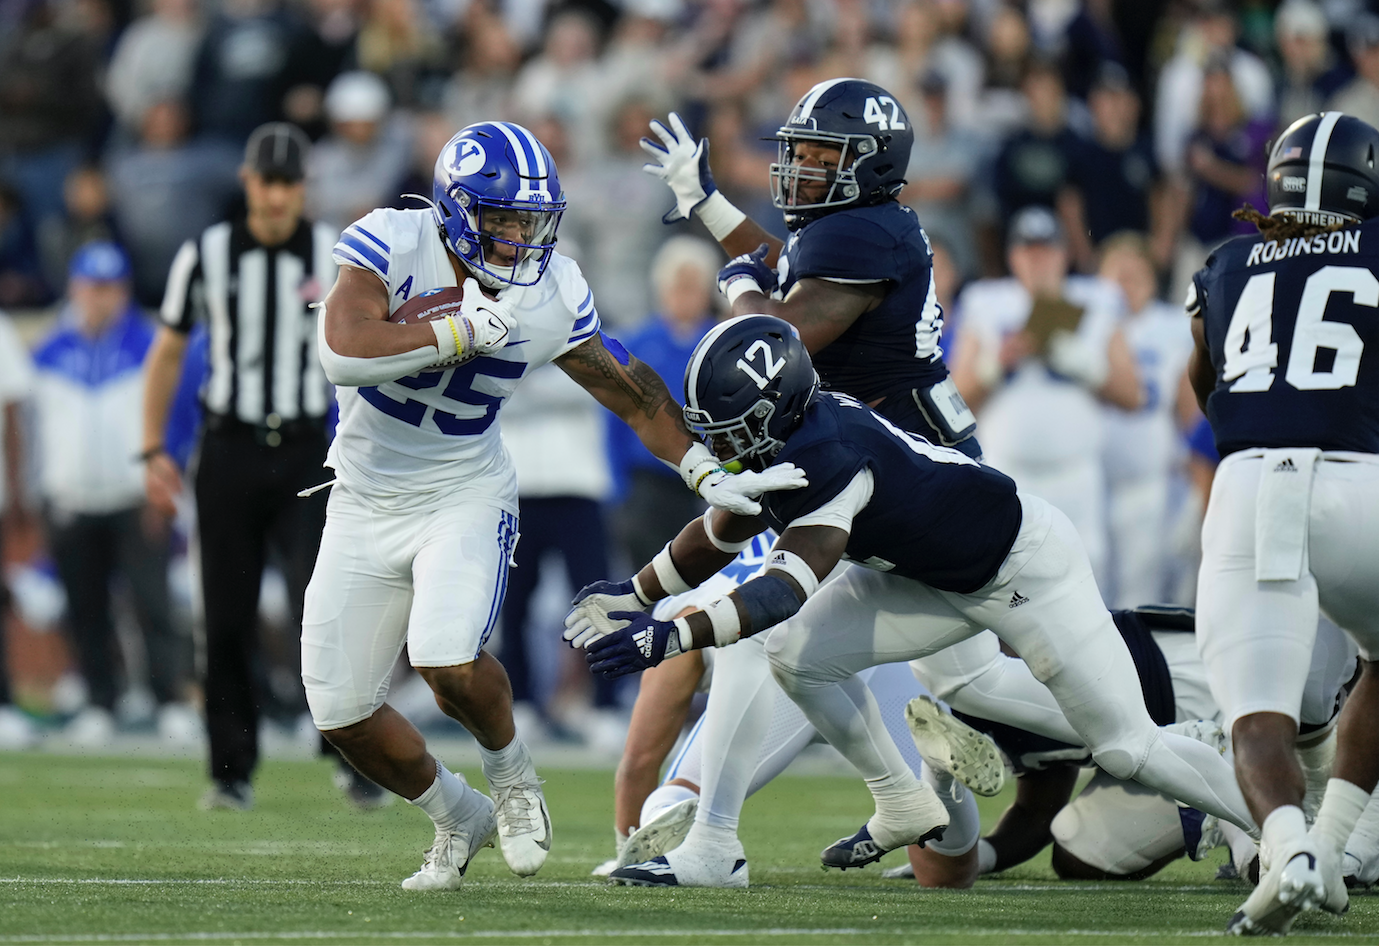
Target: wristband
739,285
149,454
667,574
454,330
641,594
723,616
686,635
447,337
715,541
796,567
718,215
696,465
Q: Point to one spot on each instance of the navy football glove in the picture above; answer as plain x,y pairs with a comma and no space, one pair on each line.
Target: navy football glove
643,643
591,616
750,274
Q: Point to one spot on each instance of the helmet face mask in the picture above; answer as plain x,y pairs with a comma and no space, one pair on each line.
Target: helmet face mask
497,201
871,135
747,387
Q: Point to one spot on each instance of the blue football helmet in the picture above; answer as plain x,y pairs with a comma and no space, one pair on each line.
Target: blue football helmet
747,386
873,132
496,186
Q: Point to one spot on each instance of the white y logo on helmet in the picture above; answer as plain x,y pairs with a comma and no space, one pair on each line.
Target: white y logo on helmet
469,158
771,367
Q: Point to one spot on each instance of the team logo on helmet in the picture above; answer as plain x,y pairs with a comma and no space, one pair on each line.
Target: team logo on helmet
468,157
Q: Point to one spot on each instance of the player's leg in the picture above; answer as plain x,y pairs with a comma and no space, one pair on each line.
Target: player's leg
862,619
1045,604
1344,551
459,576
354,626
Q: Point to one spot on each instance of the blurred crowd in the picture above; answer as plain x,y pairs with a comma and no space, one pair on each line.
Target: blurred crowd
1142,123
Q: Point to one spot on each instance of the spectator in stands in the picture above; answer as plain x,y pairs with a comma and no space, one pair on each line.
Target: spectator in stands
653,511
1033,163
21,273
16,379
327,47
488,59
1210,36
565,80
361,163
243,70
88,398
1360,97
1309,73
1003,107
1114,183
152,62
397,42
86,217
166,189
50,106
944,163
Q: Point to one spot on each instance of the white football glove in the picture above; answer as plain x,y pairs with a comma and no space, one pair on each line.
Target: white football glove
1075,358
483,325
738,492
588,620
682,163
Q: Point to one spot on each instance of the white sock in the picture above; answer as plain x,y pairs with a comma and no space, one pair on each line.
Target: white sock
1243,847
986,857
661,799
619,842
1316,760
1284,827
508,765
1364,838
1341,809
449,801
964,821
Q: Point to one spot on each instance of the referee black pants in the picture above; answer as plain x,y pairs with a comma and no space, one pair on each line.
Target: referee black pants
246,498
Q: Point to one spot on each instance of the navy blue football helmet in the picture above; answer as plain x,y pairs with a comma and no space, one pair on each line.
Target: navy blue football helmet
1322,170
874,133
747,386
495,184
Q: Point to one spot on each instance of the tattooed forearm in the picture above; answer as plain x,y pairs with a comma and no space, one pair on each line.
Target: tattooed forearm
624,389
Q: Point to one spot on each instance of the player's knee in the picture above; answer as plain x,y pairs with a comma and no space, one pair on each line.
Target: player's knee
1122,759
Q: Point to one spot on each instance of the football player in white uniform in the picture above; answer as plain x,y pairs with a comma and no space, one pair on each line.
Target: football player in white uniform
422,519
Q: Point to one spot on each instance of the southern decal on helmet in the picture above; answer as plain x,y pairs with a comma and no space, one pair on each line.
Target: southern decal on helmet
497,200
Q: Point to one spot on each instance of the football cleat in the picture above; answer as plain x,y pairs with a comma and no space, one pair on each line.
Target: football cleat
604,869
448,857
524,826
953,747
685,867
662,833
1358,871
862,849
905,871
1293,885
1337,899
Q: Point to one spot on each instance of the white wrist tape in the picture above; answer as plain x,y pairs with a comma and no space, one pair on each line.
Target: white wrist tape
640,592
667,575
727,626
445,338
722,546
696,465
797,568
740,285
719,216
686,635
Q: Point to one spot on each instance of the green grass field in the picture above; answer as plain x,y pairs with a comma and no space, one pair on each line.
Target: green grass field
113,850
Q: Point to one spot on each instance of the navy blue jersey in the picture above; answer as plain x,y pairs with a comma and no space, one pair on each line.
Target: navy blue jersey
1292,329
935,515
893,348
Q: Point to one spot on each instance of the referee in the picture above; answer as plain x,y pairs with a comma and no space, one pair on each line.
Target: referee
251,280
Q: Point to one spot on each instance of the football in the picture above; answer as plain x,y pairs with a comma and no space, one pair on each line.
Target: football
430,305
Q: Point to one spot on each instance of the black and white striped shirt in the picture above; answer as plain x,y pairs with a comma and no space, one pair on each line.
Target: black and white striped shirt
255,303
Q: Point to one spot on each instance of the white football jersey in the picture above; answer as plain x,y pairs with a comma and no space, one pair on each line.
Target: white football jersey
1036,417
1145,442
437,432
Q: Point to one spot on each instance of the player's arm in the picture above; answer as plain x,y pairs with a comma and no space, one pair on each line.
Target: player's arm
633,391
663,703
1024,829
1200,371
820,309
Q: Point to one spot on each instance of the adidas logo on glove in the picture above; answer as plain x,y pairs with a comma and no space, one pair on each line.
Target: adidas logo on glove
643,640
